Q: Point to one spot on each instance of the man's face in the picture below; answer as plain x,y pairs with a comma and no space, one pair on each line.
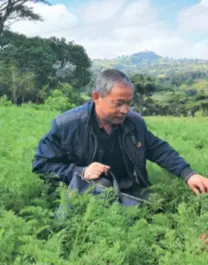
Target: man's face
114,107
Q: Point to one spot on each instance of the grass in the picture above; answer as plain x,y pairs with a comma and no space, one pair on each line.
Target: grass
92,233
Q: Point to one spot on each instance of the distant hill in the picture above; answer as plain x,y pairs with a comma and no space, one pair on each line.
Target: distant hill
136,58
152,64
185,74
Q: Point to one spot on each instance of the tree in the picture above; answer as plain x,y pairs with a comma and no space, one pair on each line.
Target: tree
30,54
74,62
14,10
198,103
17,85
144,88
50,60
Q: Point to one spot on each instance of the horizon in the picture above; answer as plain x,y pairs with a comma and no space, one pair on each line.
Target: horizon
108,29
148,51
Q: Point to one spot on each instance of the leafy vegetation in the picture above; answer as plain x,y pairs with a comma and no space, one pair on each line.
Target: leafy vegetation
44,76
93,232
13,10
32,67
178,87
151,64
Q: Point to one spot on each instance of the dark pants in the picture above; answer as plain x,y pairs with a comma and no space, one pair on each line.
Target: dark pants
136,190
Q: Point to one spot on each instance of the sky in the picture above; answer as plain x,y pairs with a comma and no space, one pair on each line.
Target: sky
111,28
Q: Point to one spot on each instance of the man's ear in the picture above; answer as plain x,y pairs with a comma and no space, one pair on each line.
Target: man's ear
95,96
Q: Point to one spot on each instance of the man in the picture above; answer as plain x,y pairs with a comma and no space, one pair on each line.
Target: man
105,134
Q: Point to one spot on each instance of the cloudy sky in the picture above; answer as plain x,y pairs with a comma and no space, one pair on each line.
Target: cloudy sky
109,28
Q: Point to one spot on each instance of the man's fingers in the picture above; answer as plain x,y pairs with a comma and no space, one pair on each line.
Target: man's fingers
206,184
106,168
93,175
195,190
204,236
102,168
95,170
198,184
201,187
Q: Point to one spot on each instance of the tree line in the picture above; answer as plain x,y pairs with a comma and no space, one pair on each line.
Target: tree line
32,67
52,70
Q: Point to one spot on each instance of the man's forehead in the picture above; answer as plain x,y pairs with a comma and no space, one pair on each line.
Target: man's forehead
121,91
125,94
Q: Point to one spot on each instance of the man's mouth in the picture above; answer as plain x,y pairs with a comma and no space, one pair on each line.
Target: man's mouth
120,118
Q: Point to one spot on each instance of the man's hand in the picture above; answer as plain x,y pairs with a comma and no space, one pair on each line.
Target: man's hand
94,170
198,184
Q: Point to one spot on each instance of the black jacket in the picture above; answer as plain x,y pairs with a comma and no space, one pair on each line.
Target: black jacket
71,145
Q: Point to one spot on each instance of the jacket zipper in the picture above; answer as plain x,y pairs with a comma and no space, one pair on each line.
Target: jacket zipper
127,168
136,168
122,145
96,146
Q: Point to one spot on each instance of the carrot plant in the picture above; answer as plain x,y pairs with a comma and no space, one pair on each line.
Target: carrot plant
92,231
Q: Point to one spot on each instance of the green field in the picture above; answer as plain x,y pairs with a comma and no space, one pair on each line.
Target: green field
93,234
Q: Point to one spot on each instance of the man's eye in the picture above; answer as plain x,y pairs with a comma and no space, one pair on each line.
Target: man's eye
117,104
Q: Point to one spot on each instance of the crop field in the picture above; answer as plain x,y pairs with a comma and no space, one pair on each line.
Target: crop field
167,232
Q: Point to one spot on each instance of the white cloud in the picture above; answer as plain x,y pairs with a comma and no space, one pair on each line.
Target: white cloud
104,10
200,50
55,18
106,48
194,19
111,28
134,25
139,12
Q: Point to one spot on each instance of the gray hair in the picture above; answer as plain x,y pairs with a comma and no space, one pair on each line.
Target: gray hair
108,78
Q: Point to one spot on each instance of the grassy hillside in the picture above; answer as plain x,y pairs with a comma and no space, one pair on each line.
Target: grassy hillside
152,64
93,233
181,73
199,85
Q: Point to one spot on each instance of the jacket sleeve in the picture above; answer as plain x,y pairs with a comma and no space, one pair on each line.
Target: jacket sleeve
51,158
164,155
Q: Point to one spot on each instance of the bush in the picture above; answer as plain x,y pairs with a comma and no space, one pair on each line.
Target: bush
4,101
64,98
58,102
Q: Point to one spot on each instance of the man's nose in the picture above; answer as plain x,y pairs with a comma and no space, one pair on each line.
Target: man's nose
125,109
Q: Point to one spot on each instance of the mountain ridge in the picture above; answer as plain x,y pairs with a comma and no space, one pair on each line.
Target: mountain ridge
149,62
148,55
